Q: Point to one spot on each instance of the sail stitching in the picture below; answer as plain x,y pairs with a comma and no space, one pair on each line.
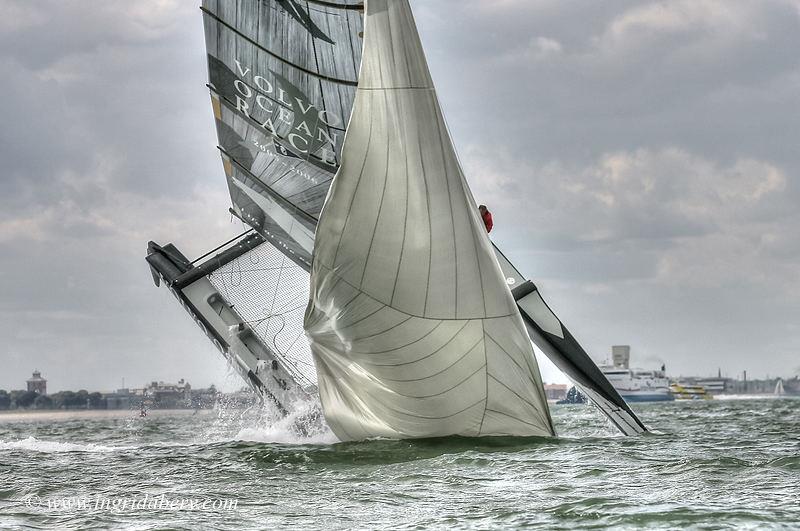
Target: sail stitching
512,417
406,413
342,279
530,380
430,226
449,341
405,229
485,364
358,181
467,353
380,211
443,392
432,330
452,216
513,391
404,321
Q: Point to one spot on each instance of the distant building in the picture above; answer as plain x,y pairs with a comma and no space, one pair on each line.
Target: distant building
163,395
37,384
169,395
714,386
555,391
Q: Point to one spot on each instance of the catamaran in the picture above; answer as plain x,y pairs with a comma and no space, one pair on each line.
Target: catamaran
366,280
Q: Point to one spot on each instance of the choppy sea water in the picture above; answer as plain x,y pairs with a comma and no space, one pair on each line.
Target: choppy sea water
712,465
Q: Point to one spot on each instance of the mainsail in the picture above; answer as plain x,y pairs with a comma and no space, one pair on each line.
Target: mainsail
283,77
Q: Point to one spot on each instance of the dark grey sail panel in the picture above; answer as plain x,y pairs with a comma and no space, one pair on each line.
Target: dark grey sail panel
282,76
290,28
272,162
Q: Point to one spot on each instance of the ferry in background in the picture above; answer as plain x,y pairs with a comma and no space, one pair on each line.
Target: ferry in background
636,385
684,391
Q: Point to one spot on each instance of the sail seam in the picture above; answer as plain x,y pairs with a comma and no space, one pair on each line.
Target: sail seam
438,418
452,216
449,341
512,391
405,228
429,89
432,330
358,182
300,192
520,367
380,212
277,195
408,66
347,7
442,392
430,225
276,56
351,325
401,323
467,353
486,365
342,279
513,417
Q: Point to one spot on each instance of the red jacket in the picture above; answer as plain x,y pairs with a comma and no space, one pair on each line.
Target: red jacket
487,220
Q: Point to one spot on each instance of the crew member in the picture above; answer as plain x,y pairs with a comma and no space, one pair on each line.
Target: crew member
486,216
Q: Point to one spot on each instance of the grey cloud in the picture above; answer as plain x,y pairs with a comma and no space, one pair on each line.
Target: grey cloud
717,86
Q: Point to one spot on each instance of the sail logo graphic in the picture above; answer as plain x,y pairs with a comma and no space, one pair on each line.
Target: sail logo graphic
303,17
306,130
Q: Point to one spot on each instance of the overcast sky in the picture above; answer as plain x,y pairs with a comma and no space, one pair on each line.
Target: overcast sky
641,160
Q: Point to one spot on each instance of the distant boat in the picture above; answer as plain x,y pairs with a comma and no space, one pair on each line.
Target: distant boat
779,391
636,385
573,397
683,391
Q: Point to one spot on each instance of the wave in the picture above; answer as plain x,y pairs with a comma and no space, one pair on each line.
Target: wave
32,444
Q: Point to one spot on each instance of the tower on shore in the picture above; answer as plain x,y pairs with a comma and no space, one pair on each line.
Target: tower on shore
37,384
621,356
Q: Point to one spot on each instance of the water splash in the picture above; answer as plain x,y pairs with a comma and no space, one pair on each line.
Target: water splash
303,425
264,423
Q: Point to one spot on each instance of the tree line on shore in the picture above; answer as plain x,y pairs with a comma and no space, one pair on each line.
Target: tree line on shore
62,400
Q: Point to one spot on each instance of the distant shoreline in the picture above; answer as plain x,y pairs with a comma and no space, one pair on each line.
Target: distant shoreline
43,414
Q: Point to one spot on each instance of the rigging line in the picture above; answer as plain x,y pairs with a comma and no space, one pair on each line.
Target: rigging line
291,346
348,7
212,251
276,56
269,190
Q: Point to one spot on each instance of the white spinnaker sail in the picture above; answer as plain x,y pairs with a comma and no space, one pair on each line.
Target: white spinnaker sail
413,330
